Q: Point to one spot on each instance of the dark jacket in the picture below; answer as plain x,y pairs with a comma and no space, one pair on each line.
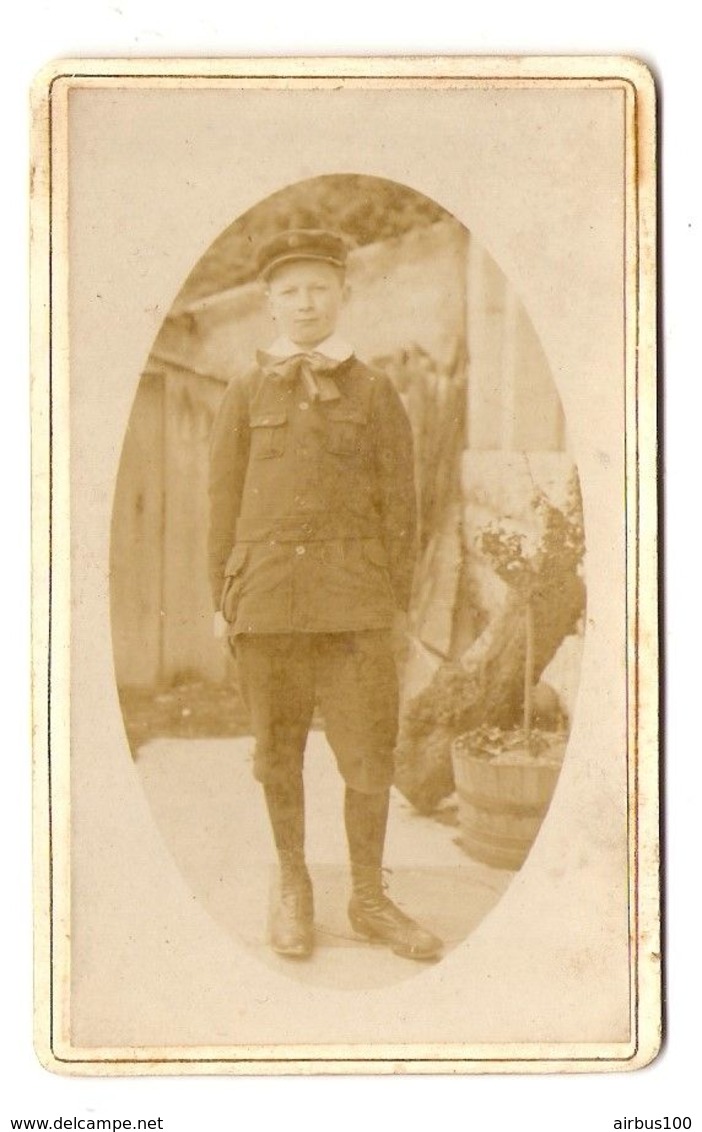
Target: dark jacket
312,504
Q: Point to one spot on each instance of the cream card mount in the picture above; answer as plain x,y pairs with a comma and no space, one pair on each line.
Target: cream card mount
498,217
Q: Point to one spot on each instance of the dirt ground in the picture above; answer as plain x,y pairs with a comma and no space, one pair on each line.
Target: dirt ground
210,813
185,711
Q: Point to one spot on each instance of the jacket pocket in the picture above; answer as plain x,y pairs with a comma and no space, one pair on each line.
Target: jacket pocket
346,425
233,582
268,435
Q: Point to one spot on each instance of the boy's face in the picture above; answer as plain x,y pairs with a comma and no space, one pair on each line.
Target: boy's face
305,298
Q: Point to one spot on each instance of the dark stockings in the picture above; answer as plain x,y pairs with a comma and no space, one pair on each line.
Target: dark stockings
366,819
286,810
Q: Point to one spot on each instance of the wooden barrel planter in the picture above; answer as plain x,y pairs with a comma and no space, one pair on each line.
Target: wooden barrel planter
502,800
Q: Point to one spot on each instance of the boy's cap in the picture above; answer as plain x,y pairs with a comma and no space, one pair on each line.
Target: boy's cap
301,243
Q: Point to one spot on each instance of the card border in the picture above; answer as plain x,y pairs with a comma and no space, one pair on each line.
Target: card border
51,691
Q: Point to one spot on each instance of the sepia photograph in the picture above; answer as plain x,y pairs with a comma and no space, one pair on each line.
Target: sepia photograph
346,400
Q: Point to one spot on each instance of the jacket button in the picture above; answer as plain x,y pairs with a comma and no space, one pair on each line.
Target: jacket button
299,550
303,405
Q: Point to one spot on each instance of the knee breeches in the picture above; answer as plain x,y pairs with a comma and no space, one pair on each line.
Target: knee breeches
352,679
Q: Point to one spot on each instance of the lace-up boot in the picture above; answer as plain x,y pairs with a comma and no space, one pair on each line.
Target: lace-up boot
371,912
291,929
292,918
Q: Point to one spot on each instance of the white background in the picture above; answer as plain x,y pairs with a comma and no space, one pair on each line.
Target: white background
661,35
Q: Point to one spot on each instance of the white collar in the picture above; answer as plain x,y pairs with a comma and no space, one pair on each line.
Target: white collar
334,347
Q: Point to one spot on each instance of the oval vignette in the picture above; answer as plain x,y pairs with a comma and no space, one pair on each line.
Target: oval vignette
431,308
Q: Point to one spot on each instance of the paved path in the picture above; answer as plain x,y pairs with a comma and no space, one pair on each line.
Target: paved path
211,814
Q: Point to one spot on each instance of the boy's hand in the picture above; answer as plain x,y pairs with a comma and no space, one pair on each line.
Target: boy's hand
400,642
220,626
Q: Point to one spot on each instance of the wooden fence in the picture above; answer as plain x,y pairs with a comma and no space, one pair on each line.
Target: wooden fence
161,606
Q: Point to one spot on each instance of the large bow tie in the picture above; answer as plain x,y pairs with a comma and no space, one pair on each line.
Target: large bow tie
313,369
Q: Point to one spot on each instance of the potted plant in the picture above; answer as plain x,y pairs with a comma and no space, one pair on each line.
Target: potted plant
505,776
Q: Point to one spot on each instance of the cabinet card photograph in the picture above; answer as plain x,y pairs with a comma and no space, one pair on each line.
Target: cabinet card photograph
345,657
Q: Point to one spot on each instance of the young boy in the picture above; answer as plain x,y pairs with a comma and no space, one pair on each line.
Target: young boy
311,557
